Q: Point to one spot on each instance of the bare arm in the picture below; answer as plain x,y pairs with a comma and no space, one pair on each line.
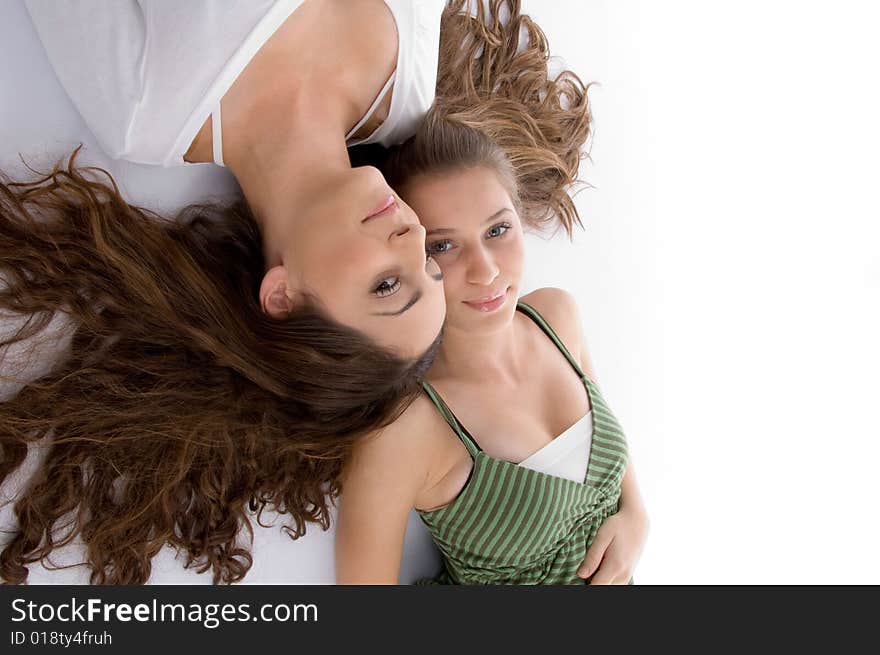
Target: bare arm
630,498
379,490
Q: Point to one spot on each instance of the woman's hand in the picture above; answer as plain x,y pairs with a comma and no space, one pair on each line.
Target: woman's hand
616,548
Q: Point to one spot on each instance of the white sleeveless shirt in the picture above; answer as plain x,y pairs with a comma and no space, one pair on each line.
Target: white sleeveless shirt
568,455
146,74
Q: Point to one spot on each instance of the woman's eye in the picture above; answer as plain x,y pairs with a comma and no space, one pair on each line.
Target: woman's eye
387,286
439,247
497,230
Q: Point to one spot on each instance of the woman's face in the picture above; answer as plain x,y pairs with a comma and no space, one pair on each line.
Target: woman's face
475,234
361,251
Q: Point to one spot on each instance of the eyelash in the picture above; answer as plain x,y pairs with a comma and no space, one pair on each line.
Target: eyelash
383,293
432,251
506,227
395,285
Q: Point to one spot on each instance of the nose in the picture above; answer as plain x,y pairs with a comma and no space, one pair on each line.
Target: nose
481,267
407,240
401,231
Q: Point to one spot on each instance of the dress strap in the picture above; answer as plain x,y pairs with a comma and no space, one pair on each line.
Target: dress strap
217,136
372,108
533,314
450,418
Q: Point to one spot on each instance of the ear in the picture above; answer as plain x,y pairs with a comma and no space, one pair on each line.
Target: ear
273,293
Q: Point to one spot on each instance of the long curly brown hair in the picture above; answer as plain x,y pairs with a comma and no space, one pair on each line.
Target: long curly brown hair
179,403
179,406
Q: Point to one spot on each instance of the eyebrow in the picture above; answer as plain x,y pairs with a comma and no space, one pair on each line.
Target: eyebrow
412,301
444,230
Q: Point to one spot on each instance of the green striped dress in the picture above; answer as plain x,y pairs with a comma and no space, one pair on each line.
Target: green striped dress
513,525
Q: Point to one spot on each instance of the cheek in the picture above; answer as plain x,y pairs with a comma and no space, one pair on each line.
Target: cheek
335,267
512,257
452,271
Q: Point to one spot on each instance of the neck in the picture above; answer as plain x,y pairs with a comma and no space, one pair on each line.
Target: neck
497,357
288,114
284,159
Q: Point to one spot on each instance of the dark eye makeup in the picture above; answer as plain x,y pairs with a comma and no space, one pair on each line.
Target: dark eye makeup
387,286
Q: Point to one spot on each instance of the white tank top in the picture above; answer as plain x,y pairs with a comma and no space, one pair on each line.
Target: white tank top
568,455
146,74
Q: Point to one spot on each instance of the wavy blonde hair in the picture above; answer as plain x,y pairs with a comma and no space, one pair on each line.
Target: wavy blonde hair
494,78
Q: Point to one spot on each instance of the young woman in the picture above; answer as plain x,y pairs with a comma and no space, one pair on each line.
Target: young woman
536,488
196,389
295,82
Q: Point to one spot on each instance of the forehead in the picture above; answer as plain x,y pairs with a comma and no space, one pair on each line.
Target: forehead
457,197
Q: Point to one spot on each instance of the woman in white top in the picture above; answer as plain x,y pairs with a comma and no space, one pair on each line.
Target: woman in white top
295,82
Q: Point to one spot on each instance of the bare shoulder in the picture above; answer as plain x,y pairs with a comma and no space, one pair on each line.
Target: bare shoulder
401,455
560,310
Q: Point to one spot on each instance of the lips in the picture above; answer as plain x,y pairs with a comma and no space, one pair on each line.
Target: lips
388,203
488,303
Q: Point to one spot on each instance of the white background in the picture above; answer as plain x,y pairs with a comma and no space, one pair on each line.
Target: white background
728,276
